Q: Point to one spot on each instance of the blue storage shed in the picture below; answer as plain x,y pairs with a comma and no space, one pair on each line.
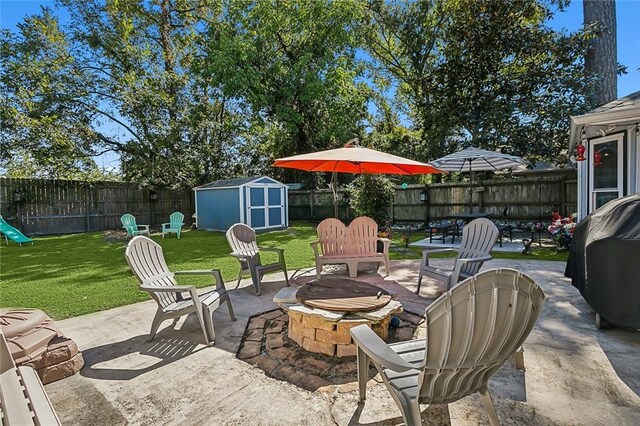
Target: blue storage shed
260,202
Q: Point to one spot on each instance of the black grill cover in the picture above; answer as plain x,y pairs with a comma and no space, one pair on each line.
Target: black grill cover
604,261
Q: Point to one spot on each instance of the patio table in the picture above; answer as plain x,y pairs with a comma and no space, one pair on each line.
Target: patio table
467,217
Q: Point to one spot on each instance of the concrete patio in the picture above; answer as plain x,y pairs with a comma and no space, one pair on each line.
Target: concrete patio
575,373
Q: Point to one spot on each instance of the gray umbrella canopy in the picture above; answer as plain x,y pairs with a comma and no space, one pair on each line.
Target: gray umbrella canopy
477,160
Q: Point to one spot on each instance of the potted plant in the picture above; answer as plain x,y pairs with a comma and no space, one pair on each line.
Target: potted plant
562,229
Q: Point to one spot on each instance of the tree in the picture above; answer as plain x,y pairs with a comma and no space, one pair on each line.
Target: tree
120,79
402,38
42,133
488,74
507,81
601,60
294,66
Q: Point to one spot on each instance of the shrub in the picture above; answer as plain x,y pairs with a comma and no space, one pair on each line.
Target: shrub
372,195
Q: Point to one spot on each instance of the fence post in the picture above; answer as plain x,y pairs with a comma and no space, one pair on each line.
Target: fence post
87,215
563,196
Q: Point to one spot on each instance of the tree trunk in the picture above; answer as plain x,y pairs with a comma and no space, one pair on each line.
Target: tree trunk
601,60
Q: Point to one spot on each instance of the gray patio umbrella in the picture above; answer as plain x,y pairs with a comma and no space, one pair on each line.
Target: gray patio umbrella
474,160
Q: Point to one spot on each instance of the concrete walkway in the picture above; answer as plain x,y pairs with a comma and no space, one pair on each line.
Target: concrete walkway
575,373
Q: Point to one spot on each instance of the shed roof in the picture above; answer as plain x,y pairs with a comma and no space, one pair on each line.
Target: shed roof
232,183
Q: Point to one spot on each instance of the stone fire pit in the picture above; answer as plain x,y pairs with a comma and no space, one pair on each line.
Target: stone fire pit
322,312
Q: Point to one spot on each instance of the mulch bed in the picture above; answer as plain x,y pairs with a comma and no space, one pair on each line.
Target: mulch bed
265,344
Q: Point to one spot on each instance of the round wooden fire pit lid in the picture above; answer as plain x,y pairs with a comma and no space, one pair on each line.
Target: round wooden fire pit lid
342,295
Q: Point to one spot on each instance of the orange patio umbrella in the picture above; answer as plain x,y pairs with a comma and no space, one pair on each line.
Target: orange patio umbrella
353,158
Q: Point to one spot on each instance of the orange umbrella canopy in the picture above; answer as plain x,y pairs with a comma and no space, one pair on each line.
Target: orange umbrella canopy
355,159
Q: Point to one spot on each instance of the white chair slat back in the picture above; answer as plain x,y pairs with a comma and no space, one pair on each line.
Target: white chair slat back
332,235
242,238
146,259
364,235
478,237
473,328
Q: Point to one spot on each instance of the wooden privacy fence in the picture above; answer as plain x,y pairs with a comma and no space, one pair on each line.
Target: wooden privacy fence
530,196
44,207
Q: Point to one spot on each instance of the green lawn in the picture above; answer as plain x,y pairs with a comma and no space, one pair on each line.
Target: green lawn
77,274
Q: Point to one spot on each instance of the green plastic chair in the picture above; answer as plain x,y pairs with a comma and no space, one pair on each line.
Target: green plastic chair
133,229
175,224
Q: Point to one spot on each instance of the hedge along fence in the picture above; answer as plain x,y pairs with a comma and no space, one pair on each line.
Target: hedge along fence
530,196
45,207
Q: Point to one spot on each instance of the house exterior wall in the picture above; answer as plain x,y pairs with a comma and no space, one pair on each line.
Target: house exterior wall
631,142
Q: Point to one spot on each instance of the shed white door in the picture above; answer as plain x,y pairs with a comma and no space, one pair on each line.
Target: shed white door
265,206
606,170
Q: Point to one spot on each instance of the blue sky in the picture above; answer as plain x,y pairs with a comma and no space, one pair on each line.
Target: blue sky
627,13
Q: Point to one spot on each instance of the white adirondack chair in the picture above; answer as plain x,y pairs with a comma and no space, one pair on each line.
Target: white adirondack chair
478,237
244,246
146,260
350,245
472,330
23,400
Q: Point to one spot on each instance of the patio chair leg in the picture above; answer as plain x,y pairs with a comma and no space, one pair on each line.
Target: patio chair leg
519,359
318,269
488,405
157,320
363,376
353,269
410,410
419,281
210,333
239,277
284,269
255,278
228,300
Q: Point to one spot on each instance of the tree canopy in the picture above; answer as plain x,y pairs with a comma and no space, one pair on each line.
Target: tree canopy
188,91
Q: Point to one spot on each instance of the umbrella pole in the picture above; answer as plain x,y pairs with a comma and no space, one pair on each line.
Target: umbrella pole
470,188
334,190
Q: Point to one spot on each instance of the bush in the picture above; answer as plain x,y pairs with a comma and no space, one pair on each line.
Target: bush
372,195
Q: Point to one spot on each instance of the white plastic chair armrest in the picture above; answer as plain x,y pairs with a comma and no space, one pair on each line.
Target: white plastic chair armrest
274,249
166,288
242,255
476,259
215,273
439,250
376,349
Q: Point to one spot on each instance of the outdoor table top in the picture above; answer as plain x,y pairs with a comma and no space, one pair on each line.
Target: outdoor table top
470,216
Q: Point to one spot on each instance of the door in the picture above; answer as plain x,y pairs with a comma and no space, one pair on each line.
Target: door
256,207
265,206
606,170
275,198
